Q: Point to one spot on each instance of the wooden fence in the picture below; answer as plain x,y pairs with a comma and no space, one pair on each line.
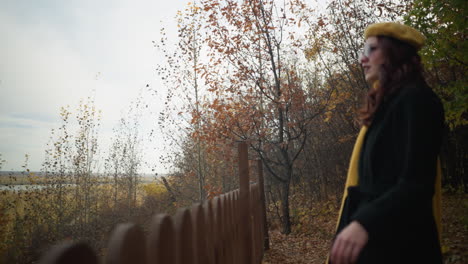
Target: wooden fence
230,228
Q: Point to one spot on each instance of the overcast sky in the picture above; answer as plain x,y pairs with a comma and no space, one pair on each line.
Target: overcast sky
53,53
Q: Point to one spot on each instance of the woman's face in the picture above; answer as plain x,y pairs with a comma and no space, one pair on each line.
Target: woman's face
371,59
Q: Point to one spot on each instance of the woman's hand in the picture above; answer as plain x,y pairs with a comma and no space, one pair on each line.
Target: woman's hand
348,244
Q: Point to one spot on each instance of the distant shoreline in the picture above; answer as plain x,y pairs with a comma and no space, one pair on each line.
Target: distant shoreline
8,178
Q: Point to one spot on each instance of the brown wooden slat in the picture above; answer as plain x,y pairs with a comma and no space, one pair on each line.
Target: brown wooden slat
252,221
256,235
184,237
236,227
209,220
161,241
225,229
232,228
199,233
127,245
217,228
70,253
228,229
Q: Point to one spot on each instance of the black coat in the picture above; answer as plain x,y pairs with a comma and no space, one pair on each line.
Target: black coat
397,171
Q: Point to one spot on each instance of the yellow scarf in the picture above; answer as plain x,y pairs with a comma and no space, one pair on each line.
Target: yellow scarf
352,180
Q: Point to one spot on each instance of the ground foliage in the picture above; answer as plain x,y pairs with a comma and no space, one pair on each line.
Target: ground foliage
455,228
313,231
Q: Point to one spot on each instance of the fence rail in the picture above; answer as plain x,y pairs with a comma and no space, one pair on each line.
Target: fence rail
230,228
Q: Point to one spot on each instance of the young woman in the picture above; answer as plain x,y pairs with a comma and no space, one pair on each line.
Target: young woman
388,214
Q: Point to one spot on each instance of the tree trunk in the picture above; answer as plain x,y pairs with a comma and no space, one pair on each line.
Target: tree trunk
169,189
286,223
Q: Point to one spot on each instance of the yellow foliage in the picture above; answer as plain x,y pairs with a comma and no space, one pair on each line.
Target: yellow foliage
445,249
328,116
154,189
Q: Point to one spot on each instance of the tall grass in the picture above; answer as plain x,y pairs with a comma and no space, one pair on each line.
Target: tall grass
32,220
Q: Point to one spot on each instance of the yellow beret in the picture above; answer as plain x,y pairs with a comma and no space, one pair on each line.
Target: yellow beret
399,31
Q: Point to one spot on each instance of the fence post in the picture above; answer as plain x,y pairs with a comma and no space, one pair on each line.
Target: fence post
244,200
266,237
